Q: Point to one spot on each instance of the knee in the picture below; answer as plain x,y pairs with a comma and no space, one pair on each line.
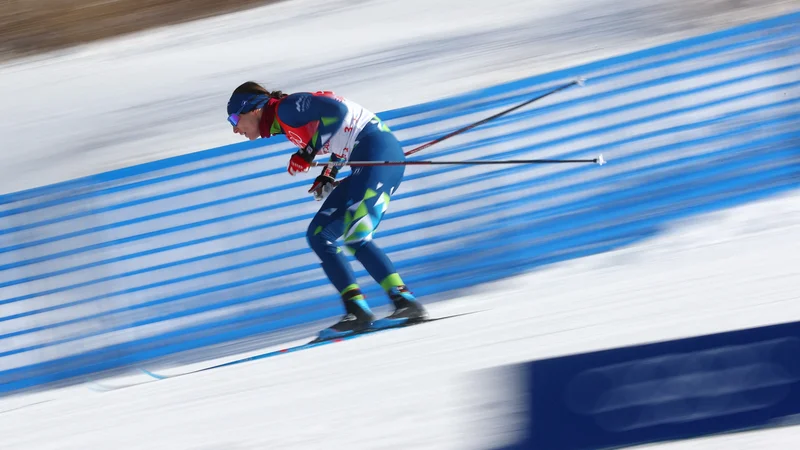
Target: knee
314,235
318,241
353,245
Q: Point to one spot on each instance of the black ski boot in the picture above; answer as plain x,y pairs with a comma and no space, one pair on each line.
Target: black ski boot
407,310
358,318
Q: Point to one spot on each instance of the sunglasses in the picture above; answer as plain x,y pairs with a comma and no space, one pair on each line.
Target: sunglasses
234,118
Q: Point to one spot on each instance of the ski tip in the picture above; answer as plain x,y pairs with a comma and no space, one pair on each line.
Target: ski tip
581,81
154,375
97,387
600,161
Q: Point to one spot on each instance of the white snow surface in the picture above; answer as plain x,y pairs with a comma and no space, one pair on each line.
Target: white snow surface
441,386
437,386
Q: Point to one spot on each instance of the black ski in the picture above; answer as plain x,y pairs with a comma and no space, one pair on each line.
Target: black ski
314,343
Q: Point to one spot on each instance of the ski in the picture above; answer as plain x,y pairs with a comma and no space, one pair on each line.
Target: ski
100,387
313,343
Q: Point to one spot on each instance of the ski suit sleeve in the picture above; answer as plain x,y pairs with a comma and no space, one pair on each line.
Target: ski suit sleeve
321,115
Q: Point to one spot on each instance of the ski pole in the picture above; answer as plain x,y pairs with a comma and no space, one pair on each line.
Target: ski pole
579,81
599,160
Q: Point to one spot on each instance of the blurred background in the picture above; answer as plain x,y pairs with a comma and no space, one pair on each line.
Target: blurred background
159,92
31,28
138,231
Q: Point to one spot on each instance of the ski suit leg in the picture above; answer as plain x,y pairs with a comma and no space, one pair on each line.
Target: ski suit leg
353,212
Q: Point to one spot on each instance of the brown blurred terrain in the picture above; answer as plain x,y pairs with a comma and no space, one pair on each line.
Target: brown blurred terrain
33,26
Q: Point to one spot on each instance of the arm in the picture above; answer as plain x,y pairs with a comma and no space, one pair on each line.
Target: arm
319,117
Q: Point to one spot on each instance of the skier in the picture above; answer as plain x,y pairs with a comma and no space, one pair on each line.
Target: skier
322,123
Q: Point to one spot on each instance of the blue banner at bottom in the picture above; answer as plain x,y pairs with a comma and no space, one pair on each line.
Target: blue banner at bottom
664,391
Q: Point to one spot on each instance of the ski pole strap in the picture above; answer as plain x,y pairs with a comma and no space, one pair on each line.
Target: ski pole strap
331,168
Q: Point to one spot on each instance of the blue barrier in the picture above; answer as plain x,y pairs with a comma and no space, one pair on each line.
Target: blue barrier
679,389
142,262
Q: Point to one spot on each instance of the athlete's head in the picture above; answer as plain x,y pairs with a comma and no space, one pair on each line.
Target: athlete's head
246,108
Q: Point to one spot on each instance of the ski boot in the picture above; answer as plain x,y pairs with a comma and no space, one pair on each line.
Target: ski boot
359,318
407,309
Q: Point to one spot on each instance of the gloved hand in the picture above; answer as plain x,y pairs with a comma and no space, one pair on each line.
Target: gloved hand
300,162
322,187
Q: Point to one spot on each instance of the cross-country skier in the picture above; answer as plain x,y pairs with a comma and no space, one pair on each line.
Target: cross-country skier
323,123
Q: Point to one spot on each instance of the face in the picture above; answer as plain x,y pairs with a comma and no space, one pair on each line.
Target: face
248,125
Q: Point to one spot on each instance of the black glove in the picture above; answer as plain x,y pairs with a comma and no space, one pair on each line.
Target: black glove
322,187
326,181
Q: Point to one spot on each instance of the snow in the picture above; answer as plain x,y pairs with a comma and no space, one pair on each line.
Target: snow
436,386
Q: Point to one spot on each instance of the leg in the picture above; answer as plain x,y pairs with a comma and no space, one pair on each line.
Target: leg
373,187
323,231
370,194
